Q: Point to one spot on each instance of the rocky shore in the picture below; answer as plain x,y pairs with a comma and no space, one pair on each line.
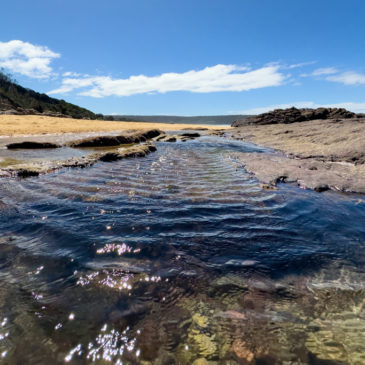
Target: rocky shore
113,147
131,140
319,149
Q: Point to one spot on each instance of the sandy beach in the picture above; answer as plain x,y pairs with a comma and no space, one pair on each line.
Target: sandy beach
18,125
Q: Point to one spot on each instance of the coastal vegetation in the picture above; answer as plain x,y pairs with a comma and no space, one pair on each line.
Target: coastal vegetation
15,99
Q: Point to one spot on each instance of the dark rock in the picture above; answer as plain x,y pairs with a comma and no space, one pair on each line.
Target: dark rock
294,115
322,187
32,145
27,173
191,135
100,141
110,141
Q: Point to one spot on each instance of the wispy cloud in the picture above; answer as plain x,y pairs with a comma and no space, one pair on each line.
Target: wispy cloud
26,58
321,72
334,75
71,74
356,107
324,71
210,79
348,78
302,64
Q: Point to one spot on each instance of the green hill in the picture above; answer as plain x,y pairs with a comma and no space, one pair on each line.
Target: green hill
15,99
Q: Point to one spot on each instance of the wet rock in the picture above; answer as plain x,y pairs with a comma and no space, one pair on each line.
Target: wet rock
35,169
161,137
135,151
200,320
177,137
27,172
100,141
239,347
206,345
268,187
203,361
32,145
271,169
110,141
191,135
339,337
293,115
149,340
217,132
321,187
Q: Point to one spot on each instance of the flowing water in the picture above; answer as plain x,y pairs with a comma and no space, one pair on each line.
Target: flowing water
179,258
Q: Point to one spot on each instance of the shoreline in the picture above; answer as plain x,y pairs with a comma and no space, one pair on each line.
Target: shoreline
34,125
319,155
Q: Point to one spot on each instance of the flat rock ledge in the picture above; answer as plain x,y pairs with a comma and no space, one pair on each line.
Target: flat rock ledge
271,169
36,169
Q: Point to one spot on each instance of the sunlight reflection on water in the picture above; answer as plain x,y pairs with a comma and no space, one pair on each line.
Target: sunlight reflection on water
177,258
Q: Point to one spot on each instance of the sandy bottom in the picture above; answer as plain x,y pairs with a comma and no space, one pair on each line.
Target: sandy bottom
17,125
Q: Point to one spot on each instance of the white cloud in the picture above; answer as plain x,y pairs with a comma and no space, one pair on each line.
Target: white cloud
348,78
324,71
352,106
71,74
303,64
26,58
334,75
210,79
321,72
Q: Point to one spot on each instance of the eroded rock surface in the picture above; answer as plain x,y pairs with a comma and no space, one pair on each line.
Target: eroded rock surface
271,169
108,141
317,154
37,168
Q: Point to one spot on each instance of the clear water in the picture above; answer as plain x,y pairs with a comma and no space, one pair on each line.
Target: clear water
179,258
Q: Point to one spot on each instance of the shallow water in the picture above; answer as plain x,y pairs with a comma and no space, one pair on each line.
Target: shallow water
179,258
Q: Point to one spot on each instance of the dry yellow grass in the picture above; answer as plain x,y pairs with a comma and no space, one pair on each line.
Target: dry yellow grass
16,125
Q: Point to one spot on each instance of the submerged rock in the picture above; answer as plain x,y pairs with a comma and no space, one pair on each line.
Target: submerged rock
32,145
177,137
241,350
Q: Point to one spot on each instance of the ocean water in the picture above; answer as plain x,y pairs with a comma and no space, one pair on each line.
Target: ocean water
179,258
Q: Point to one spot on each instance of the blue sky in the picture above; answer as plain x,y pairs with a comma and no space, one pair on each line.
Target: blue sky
186,57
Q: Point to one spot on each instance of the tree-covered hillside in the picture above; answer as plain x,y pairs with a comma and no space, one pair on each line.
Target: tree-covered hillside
15,99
